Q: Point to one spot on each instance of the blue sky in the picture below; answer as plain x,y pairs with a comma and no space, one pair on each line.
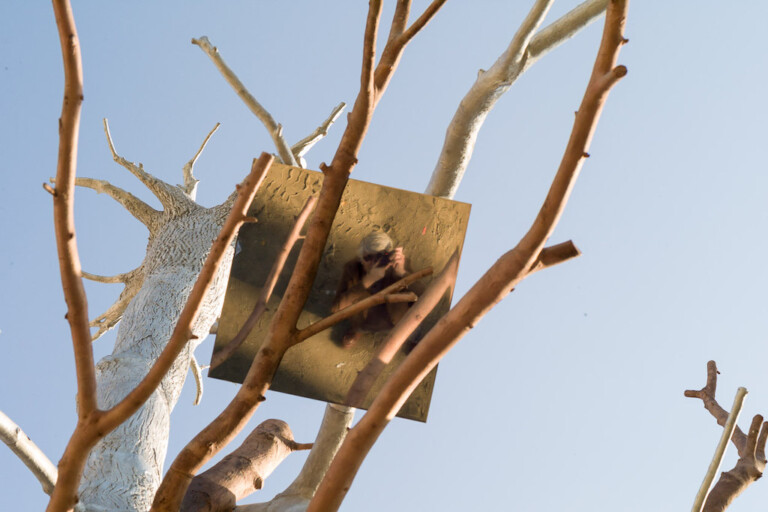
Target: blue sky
568,395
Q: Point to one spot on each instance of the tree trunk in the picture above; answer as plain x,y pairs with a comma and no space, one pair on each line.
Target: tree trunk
125,468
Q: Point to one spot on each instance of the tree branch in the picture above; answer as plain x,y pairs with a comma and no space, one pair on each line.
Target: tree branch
275,130
751,449
172,198
111,317
28,452
190,183
387,295
296,496
554,255
304,145
269,286
63,496
490,289
522,52
241,472
135,206
197,373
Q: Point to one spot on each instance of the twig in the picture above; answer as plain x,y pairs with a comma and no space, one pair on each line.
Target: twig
190,182
28,452
387,295
197,373
274,129
554,255
135,206
172,198
304,145
111,317
269,286
491,288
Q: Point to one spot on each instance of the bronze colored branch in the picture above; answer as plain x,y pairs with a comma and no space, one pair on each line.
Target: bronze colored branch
243,471
751,448
282,329
269,286
387,295
492,287
64,493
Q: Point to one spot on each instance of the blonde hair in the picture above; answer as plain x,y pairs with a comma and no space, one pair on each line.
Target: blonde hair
373,242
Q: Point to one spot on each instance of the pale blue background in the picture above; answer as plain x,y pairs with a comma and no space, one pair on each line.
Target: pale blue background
567,396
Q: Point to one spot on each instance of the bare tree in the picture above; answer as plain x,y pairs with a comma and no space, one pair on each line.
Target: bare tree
173,298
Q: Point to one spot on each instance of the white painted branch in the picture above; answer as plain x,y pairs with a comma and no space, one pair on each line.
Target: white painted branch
190,183
522,52
197,372
275,130
135,206
28,452
296,496
172,198
717,458
304,145
111,317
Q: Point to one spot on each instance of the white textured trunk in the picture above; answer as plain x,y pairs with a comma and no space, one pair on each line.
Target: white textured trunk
125,468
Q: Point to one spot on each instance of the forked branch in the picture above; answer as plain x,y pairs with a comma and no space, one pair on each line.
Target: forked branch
300,148
751,448
190,182
172,198
108,320
491,288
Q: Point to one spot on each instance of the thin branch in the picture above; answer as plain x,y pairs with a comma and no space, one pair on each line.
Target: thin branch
304,145
190,182
707,397
490,289
182,333
522,52
722,444
170,197
555,255
269,286
274,129
556,33
111,317
396,337
28,452
64,494
135,206
197,373
387,295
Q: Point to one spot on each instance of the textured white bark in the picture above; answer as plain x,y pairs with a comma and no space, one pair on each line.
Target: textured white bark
125,468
